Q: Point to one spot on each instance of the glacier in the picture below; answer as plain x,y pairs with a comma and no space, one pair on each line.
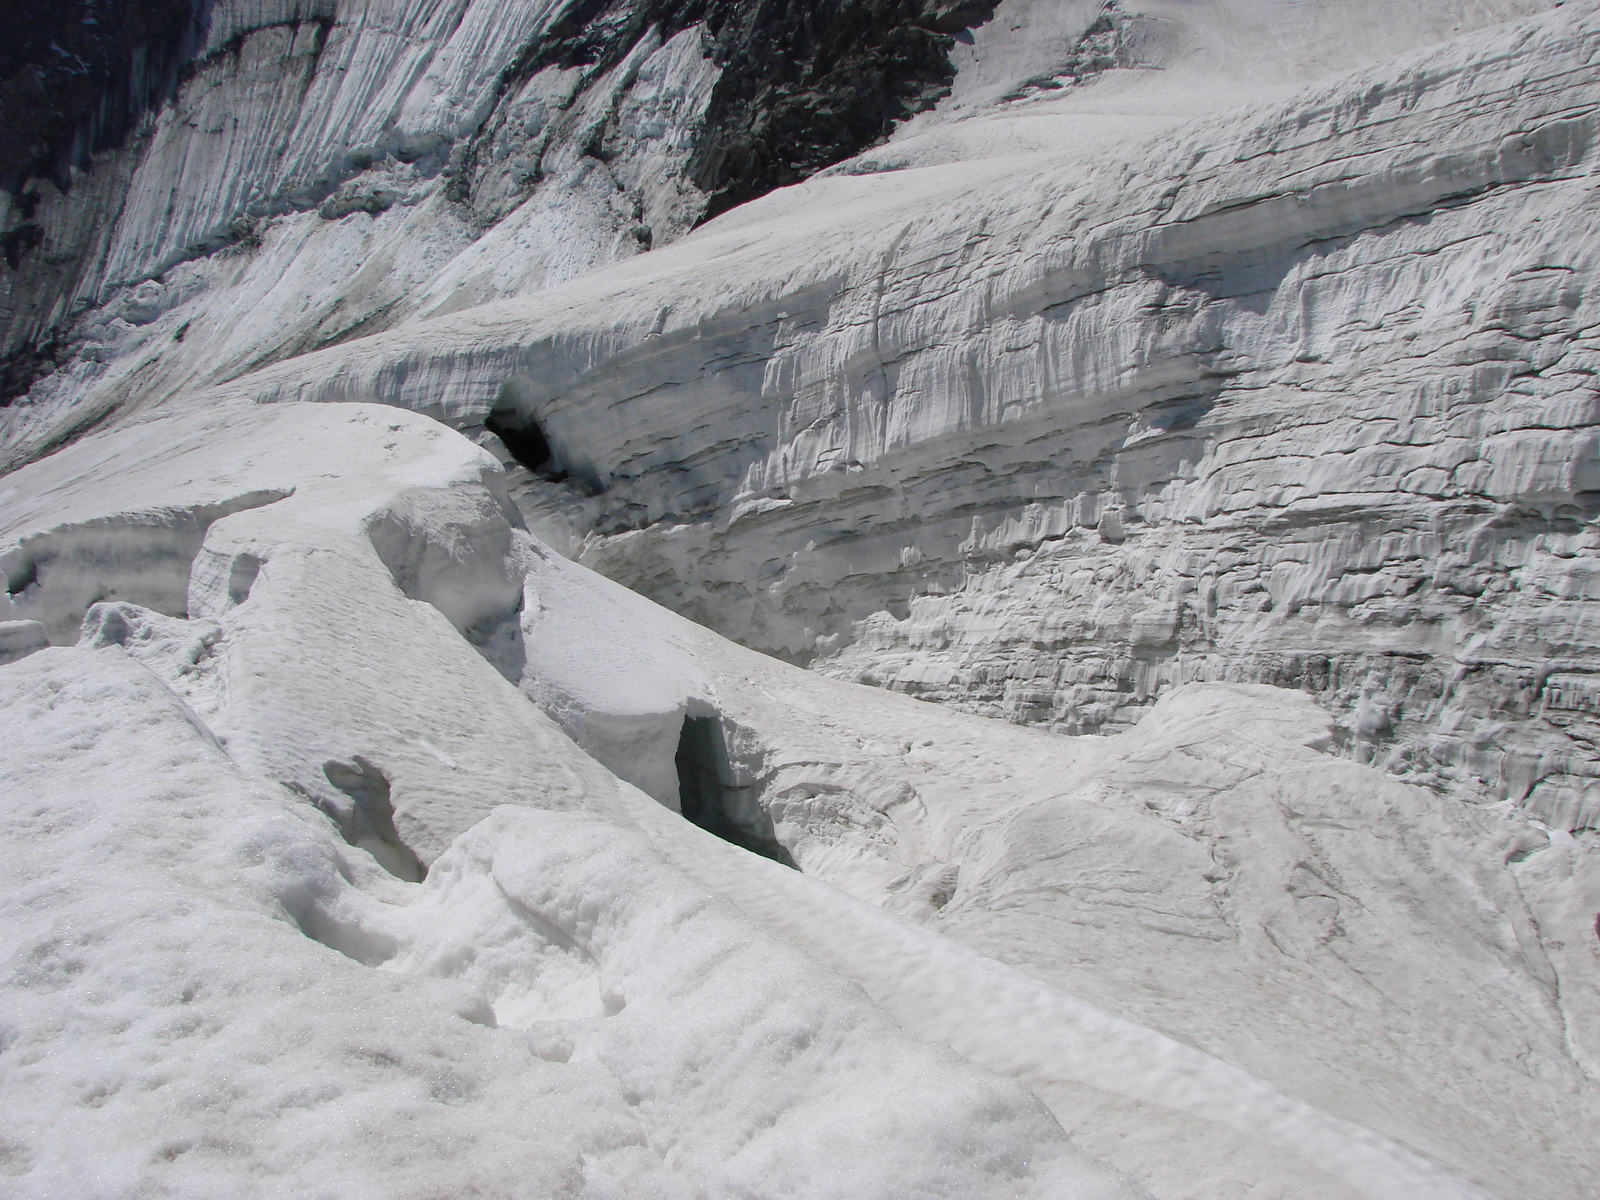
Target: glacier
824,600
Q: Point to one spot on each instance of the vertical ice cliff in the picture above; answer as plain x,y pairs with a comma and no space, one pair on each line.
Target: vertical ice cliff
1299,394
491,491
331,168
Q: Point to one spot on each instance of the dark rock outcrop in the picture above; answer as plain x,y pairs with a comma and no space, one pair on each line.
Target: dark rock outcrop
804,84
74,77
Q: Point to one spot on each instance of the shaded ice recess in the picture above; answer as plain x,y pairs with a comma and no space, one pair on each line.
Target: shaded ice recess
142,557
711,800
367,821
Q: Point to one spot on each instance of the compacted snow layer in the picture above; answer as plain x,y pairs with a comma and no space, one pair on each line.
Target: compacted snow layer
191,1005
1301,394
1232,964
353,847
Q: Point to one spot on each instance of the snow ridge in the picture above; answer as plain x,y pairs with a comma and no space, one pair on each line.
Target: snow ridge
404,789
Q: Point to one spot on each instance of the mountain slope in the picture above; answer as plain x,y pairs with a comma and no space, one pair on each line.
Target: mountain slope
432,426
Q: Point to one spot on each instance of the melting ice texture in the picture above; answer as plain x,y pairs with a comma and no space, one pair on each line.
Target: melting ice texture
261,990
342,851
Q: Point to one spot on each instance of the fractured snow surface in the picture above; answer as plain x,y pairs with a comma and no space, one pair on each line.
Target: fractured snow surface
341,816
220,995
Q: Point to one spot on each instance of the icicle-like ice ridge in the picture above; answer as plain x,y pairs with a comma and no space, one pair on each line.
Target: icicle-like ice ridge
357,654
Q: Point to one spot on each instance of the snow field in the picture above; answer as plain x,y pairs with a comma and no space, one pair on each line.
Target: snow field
174,1026
367,645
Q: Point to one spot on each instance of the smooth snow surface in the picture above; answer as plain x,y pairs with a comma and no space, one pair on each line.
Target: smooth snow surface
359,827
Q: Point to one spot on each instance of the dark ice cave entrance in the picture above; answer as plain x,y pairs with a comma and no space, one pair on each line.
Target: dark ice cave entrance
711,802
526,442
369,821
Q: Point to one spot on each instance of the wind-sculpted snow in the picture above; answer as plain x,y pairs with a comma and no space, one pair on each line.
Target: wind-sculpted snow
1215,872
337,555
1300,396
20,636
1191,912
160,889
55,575
172,1021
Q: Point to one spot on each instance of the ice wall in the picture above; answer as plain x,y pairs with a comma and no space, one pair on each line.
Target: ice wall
1155,362
385,728
321,169
1300,395
1295,396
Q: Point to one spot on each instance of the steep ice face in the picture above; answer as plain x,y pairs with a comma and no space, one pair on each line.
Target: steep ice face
323,170
328,173
1296,395
333,168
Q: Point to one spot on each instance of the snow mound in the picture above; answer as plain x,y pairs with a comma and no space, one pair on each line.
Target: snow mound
1163,934
189,991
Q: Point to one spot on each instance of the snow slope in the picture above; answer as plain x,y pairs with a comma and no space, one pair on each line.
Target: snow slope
351,641
171,886
557,1014
1180,351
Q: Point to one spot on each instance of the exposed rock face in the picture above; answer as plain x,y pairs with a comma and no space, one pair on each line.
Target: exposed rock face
801,85
74,76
